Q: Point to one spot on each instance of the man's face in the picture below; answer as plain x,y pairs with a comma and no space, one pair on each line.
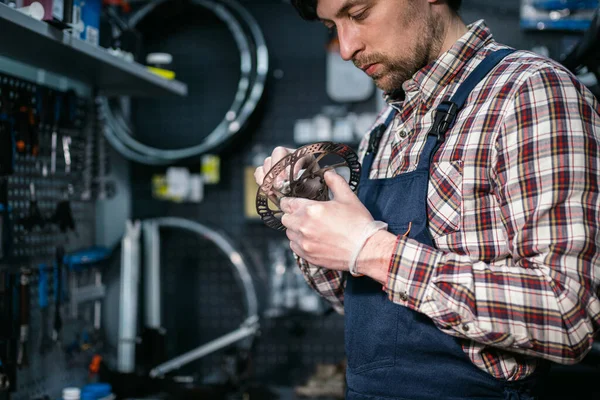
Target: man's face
388,39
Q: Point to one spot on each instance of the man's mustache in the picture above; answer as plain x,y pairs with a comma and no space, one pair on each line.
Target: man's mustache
368,60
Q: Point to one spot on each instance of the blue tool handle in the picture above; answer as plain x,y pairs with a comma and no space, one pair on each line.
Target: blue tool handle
57,107
59,291
43,286
83,258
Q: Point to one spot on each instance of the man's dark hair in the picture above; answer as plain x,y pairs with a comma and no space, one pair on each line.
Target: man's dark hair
308,8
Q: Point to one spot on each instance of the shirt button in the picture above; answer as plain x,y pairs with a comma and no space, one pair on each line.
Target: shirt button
403,296
402,134
465,327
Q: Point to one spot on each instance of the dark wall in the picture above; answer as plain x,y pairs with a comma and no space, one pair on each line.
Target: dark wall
199,289
201,301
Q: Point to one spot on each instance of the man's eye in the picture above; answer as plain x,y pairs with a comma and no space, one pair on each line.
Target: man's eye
358,16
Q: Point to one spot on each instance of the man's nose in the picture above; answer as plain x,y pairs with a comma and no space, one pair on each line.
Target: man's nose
350,42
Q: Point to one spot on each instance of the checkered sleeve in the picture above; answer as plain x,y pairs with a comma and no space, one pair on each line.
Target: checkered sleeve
331,284
328,283
542,299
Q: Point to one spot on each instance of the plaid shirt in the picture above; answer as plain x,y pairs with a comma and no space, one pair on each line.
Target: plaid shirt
513,205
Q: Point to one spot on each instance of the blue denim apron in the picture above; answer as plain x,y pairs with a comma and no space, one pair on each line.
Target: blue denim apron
394,352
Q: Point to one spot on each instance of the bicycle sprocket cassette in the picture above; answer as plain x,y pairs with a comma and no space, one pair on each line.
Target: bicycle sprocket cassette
309,164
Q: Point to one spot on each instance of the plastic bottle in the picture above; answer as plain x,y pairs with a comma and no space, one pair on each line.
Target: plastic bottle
71,393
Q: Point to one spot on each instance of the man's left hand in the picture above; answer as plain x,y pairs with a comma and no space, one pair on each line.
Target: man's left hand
326,233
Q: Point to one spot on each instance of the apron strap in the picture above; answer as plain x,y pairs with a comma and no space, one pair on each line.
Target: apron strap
374,140
447,111
378,132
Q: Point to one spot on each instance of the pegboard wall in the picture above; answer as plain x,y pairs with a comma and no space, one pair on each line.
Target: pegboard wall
46,200
292,343
218,306
207,300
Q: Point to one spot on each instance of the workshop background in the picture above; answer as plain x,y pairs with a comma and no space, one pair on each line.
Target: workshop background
133,262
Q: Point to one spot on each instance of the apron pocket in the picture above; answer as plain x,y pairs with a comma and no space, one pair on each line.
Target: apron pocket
370,325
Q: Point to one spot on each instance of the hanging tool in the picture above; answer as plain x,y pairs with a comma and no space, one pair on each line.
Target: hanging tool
68,118
6,100
82,259
7,146
58,294
94,368
5,222
66,142
45,340
87,155
4,378
88,259
34,217
7,132
26,124
63,214
54,137
21,131
8,336
34,131
44,103
5,330
24,297
70,115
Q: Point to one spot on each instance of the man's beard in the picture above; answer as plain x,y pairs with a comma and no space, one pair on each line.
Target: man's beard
394,72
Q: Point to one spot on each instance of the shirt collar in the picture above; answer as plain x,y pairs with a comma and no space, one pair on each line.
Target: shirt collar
431,79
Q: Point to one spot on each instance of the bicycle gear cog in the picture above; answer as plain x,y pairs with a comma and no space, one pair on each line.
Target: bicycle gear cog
309,164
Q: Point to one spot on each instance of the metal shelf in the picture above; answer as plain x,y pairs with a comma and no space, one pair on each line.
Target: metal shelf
44,46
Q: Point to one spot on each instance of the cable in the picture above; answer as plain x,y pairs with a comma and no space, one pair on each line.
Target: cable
242,273
254,68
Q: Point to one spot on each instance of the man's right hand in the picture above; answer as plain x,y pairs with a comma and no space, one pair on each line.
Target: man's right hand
278,153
